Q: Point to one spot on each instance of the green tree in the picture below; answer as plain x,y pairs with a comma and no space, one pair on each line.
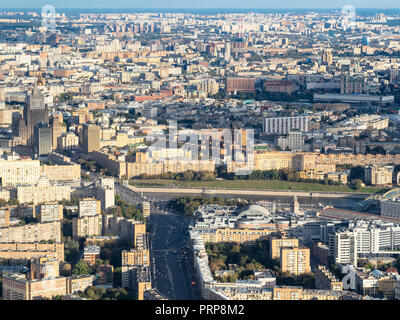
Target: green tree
357,184
81,268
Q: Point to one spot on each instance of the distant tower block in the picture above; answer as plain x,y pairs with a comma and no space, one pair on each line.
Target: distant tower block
227,51
146,209
296,206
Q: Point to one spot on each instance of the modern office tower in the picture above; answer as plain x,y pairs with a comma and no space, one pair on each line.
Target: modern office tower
240,85
285,124
89,207
90,138
378,175
345,248
295,260
278,243
349,85
43,139
327,57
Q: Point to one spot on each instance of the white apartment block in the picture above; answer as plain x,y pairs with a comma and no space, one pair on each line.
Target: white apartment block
19,172
391,208
284,125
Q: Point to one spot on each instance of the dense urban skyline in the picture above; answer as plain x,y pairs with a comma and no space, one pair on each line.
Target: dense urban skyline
199,154
218,4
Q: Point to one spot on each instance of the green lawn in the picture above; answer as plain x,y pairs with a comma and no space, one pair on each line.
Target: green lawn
250,185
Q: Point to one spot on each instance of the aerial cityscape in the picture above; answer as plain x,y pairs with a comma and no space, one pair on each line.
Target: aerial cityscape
199,154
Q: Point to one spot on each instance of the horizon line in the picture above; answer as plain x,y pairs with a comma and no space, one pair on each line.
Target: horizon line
186,8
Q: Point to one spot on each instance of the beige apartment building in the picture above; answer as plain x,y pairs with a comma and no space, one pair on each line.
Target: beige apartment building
267,160
4,217
295,260
136,257
278,243
287,293
44,281
325,280
135,169
50,212
378,175
43,191
87,226
234,235
62,172
146,209
28,251
89,207
32,233
19,172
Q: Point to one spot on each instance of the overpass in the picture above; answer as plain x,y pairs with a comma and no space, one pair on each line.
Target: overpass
373,201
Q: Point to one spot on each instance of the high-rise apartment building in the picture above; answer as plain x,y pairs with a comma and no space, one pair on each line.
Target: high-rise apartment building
146,209
295,260
89,207
87,226
378,175
345,246
278,243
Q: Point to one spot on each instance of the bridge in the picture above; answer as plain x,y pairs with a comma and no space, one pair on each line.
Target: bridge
374,200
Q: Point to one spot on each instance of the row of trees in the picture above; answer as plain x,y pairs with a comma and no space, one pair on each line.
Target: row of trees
282,174
99,293
182,176
126,210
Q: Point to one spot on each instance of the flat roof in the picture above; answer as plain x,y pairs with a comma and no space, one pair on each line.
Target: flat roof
335,213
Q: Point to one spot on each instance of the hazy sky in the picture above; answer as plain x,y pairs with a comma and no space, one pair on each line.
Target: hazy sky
266,4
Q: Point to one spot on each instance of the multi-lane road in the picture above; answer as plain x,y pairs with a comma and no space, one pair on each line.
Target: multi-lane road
171,259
